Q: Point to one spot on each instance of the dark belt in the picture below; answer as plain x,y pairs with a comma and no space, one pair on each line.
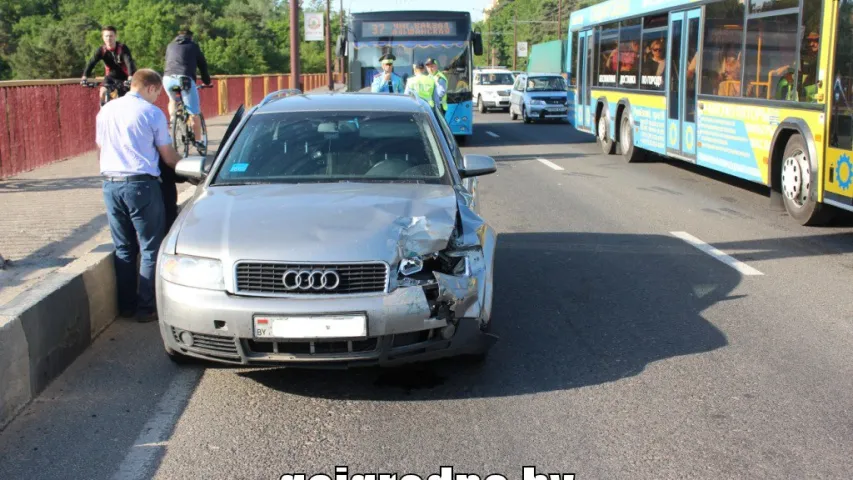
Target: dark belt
132,178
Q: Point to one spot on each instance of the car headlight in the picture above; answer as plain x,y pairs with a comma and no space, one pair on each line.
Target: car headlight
193,272
537,102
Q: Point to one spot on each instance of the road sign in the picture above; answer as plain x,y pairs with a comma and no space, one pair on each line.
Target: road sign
522,49
314,27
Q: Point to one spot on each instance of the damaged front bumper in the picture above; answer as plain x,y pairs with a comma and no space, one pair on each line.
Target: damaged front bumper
443,318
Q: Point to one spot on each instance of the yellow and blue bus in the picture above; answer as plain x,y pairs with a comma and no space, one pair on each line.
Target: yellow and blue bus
414,36
758,89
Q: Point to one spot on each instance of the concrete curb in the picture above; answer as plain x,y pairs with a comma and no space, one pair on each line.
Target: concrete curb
45,329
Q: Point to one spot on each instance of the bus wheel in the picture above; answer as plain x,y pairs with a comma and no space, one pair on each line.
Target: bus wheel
798,183
626,142
608,146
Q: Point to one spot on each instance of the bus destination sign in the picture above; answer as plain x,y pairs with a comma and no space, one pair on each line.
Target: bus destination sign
408,29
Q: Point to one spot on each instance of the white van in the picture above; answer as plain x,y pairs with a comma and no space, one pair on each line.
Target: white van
492,86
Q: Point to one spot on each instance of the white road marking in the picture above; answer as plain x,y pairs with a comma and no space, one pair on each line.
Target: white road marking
719,255
154,436
493,134
550,164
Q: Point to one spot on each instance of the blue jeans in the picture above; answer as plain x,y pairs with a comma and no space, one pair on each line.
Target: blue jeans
137,221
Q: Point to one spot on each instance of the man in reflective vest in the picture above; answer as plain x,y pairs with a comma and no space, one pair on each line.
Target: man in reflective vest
422,84
387,81
440,83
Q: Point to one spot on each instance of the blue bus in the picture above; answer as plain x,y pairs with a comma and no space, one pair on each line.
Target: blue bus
756,89
414,36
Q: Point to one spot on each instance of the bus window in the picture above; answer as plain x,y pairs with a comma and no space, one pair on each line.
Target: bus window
573,61
692,46
810,47
763,6
608,50
841,131
629,54
771,55
654,60
721,48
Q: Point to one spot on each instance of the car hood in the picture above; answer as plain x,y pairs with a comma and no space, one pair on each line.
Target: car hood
494,88
336,222
555,93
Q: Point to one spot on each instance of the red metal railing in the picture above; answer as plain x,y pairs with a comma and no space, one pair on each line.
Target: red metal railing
44,121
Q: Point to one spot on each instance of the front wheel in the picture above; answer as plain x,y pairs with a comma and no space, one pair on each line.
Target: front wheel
798,184
524,115
480,106
512,114
201,145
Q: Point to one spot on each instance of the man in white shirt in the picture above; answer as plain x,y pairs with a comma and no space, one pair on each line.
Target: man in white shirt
132,135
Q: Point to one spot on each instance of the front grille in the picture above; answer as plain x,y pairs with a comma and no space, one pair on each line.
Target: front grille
555,101
212,345
314,348
267,278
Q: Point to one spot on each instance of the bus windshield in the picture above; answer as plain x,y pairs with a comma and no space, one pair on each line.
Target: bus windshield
452,58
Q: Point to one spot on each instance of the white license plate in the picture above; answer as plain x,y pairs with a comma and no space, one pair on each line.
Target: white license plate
324,326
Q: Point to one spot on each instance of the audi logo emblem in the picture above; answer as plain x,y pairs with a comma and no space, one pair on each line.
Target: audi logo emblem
311,280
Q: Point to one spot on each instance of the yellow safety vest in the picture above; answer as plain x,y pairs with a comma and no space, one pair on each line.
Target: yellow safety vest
424,86
440,75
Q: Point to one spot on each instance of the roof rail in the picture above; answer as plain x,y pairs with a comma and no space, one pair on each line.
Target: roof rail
287,92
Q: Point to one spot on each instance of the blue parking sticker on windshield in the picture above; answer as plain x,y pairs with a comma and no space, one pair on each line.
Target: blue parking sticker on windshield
239,167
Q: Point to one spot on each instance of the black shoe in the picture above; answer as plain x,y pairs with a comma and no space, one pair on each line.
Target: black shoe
129,313
147,317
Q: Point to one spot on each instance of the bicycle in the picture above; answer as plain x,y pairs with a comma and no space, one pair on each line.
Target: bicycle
182,132
114,90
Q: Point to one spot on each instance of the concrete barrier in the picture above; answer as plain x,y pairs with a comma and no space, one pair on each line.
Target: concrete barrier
46,328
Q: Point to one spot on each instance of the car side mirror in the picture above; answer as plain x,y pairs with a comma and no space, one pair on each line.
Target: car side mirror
191,167
476,165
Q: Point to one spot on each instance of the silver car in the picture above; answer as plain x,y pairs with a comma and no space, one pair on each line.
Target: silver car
330,230
539,96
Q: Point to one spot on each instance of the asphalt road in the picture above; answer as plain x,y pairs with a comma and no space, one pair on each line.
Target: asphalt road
625,352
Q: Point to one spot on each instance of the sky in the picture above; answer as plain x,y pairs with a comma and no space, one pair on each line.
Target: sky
474,7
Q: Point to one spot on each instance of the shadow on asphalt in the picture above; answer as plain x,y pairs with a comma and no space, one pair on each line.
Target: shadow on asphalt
571,309
516,133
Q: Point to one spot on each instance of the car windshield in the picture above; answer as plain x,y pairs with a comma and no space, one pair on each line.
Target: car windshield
496,79
546,84
293,147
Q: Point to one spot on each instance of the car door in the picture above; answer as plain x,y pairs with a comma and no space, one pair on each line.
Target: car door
517,95
210,160
469,184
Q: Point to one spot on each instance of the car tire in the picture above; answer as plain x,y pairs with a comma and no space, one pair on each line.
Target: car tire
524,115
800,200
626,142
512,115
480,105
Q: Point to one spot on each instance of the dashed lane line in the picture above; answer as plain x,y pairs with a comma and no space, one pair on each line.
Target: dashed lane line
717,254
550,164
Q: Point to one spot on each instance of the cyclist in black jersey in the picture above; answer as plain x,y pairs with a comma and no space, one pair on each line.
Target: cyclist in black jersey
118,63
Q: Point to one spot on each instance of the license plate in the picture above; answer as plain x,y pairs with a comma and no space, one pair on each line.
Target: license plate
325,326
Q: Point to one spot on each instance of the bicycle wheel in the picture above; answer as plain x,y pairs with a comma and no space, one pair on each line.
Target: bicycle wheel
201,145
180,135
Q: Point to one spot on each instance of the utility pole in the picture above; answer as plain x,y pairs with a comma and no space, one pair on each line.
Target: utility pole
560,20
514,35
343,57
295,74
329,46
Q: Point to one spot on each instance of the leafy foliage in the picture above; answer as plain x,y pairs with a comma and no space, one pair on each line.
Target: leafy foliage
54,38
498,28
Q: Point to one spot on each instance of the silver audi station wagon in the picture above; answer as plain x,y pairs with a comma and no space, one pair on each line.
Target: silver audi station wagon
331,230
